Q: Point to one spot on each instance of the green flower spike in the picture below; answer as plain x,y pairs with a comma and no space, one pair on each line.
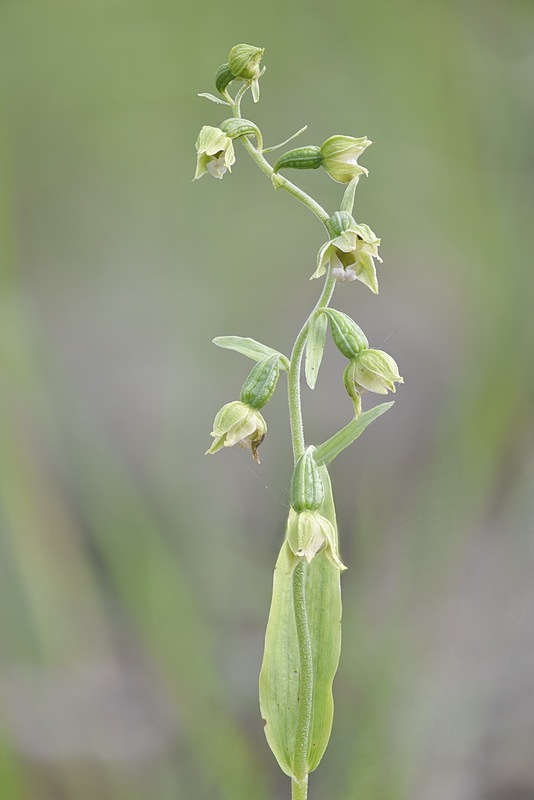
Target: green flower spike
375,371
351,251
215,152
238,423
340,157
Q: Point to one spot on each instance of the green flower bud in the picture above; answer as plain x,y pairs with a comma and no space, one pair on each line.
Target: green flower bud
340,222
238,423
235,128
340,157
350,252
215,152
307,488
348,337
300,158
261,382
375,371
244,61
307,534
223,77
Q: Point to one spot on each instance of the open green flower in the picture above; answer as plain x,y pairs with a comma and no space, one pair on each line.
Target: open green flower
215,152
374,371
351,256
340,157
308,532
238,423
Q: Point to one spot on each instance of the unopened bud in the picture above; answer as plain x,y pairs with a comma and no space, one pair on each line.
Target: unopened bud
300,158
244,61
348,337
223,77
260,384
307,488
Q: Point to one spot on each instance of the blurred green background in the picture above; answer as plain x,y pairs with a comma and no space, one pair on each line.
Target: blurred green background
135,573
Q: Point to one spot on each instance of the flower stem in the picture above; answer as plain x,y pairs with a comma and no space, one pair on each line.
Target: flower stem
265,167
295,406
305,699
299,789
299,783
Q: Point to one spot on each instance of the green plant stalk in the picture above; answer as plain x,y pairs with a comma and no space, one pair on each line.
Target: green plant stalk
293,382
266,168
299,789
299,783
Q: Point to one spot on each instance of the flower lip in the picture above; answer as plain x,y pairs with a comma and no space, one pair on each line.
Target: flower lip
217,167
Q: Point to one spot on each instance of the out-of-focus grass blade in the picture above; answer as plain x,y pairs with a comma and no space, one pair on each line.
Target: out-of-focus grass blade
152,585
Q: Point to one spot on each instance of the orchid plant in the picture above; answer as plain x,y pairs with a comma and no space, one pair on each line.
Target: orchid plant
303,637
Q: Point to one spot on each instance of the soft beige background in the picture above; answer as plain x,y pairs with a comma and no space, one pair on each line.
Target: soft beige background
134,572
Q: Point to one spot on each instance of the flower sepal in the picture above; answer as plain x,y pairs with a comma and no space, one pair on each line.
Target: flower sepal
353,390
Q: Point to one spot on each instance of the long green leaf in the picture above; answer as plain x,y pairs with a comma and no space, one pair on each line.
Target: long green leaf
250,348
279,677
327,451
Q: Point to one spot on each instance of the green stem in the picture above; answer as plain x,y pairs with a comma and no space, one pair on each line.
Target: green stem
299,789
299,783
265,167
293,380
305,700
